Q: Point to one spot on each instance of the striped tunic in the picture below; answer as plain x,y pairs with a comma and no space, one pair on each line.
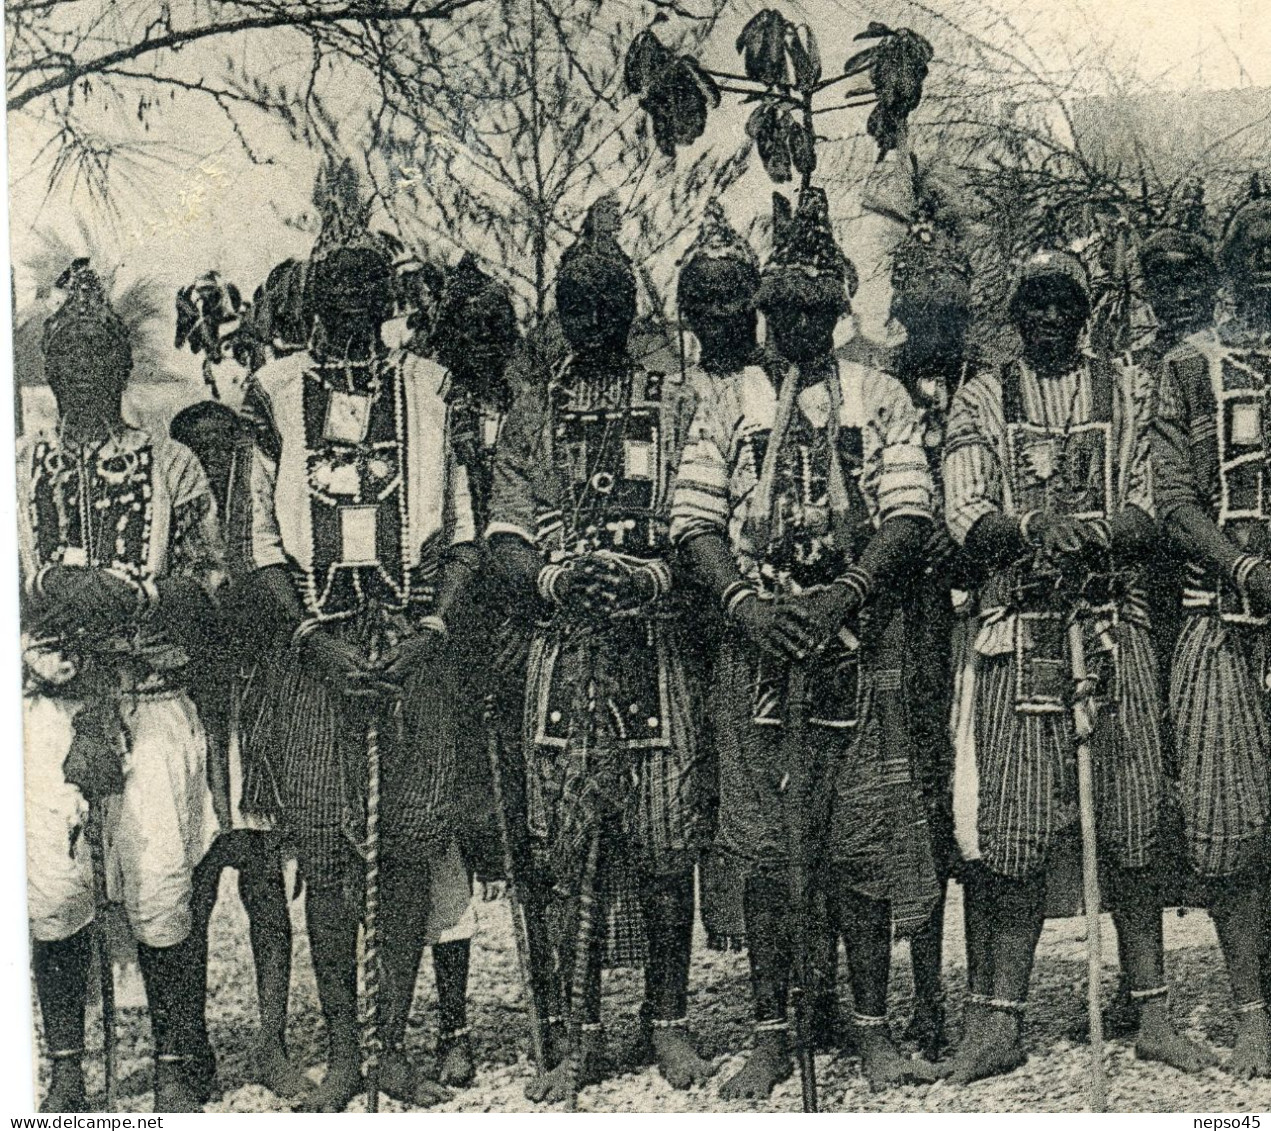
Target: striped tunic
1209,453
868,809
1073,448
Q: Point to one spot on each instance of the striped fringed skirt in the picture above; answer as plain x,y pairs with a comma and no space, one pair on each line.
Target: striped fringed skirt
305,767
1222,736
1028,773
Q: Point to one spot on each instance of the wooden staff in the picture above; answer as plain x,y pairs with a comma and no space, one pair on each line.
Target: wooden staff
794,811
1083,725
105,971
520,924
370,924
585,929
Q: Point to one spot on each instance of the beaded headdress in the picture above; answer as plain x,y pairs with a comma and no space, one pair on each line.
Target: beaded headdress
346,215
86,310
1248,225
1183,235
720,268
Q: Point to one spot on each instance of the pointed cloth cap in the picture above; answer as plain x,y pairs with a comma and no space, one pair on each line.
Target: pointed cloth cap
345,214
1249,226
1183,236
595,261
1051,265
806,266
720,269
87,311
469,295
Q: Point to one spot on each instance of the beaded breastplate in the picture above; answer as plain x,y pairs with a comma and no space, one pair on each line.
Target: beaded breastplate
614,461
1240,381
356,463
93,505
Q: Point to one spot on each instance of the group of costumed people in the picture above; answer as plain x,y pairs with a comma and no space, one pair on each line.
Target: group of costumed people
787,635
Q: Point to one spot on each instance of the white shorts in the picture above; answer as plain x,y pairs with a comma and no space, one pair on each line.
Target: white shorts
155,832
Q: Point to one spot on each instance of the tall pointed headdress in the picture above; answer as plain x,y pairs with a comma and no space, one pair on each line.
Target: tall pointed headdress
806,265
1248,225
719,269
345,213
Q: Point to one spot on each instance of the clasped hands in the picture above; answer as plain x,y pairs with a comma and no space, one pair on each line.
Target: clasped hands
795,628
347,670
602,585
82,597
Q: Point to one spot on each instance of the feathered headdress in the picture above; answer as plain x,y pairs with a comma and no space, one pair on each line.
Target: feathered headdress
806,265
86,310
1248,225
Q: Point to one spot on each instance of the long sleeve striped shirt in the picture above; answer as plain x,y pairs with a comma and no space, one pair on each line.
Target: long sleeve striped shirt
722,463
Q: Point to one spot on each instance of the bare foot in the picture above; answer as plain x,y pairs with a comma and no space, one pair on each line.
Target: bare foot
342,1082
884,1066
678,1061
766,1067
927,1028
172,1089
554,1087
66,1088
1158,1040
270,1067
825,1024
1252,1055
991,1048
457,1068
405,1083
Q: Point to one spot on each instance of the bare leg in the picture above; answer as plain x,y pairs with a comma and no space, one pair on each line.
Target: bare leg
1237,903
262,888
406,899
61,981
1142,945
926,954
450,964
866,927
667,904
333,927
770,945
1017,910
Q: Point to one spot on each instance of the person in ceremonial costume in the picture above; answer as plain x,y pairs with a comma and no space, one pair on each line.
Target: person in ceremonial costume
802,487
931,301
354,544
1209,458
120,555
228,667
718,284
471,332
1047,489
578,524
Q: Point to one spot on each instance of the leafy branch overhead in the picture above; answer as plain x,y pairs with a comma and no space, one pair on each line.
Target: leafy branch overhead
781,72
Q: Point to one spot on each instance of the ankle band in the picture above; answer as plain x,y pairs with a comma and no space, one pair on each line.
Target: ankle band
976,999
556,1021
455,1034
592,1026
171,1058
865,1021
1003,1005
670,1023
1149,995
1251,1007
65,1054
777,1025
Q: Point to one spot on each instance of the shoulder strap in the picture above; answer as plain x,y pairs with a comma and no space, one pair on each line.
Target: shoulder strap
1012,395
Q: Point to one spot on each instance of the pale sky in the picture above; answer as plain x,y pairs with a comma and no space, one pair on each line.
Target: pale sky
214,208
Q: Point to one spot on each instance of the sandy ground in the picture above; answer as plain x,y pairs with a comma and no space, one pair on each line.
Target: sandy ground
1052,1080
